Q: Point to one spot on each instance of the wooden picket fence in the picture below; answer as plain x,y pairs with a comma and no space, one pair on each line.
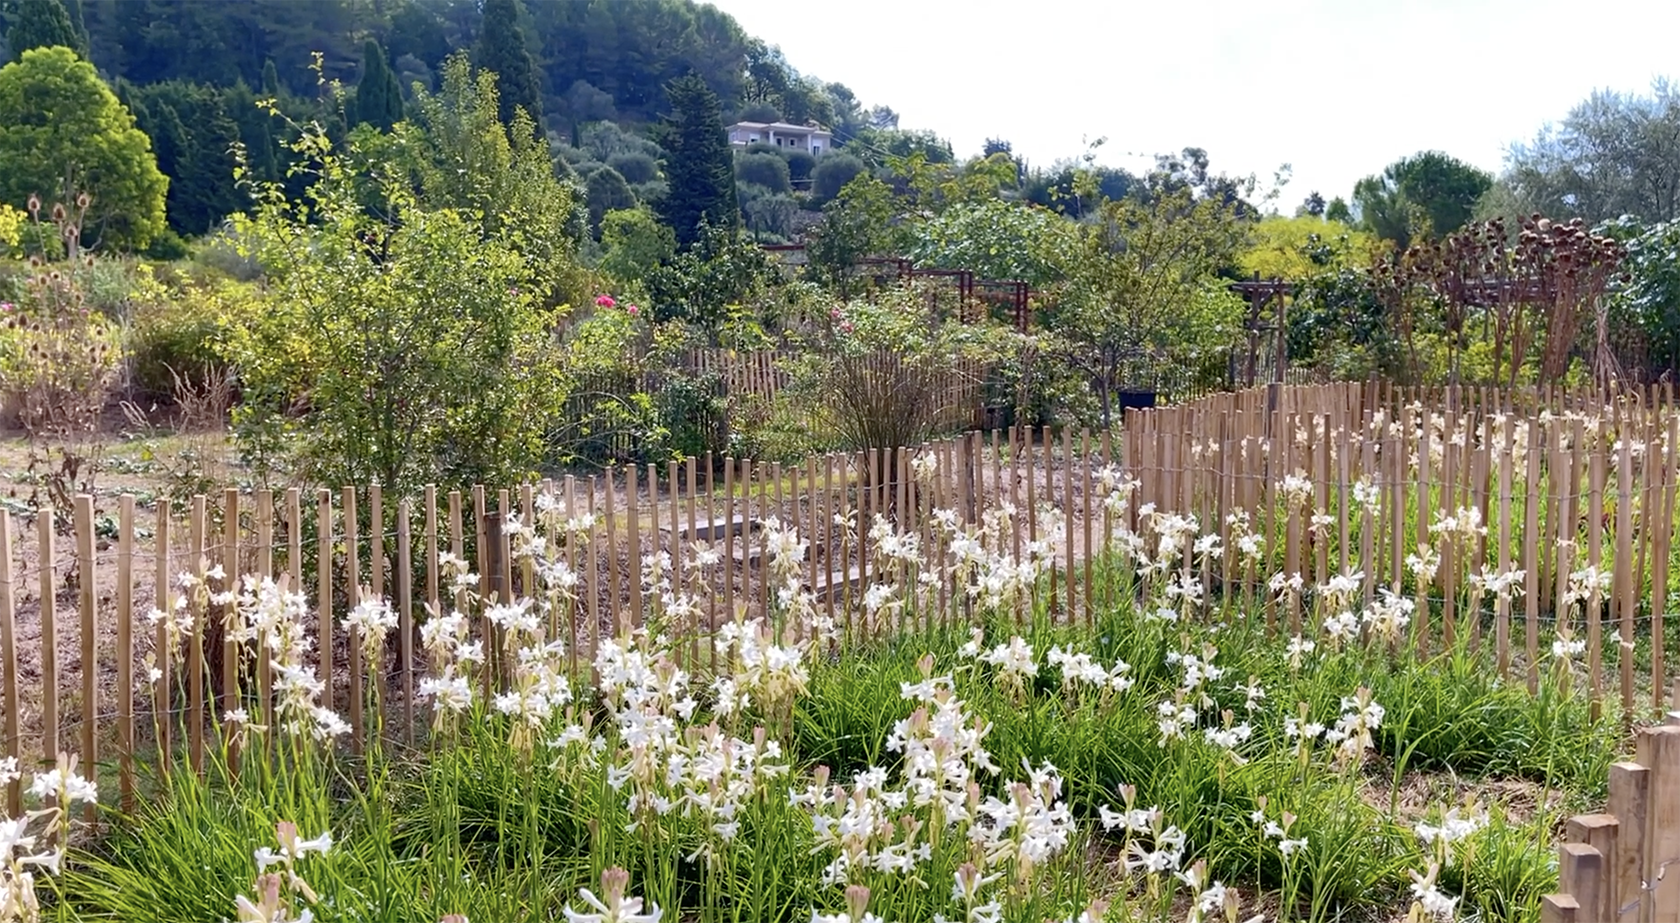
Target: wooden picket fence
85,583
1619,866
76,644
1559,481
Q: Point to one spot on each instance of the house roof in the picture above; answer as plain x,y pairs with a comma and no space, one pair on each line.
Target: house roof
780,126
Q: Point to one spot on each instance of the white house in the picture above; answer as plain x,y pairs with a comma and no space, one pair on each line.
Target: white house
813,139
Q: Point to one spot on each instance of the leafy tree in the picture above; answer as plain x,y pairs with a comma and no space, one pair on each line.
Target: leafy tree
855,225
699,165
194,137
1440,189
270,79
800,164
43,24
63,133
766,170
875,145
1338,210
635,244
1614,154
468,161
1284,248
1142,288
831,175
418,31
379,101
421,345
1312,205
996,240
501,50
635,167
701,283
1647,299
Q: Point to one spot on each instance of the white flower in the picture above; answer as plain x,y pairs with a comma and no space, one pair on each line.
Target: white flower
615,907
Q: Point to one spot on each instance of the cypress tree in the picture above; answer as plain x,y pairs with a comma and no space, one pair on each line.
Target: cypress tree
270,80
501,50
43,24
378,98
79,27
699,167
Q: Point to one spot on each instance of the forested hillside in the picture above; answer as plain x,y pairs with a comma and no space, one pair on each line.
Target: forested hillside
593,73
594,58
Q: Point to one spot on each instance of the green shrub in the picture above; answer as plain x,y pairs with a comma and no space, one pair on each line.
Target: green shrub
176,330
767,170
832,173
635,167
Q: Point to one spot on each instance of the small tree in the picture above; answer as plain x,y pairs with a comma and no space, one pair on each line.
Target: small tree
64,134
854,226
1140,288
416,345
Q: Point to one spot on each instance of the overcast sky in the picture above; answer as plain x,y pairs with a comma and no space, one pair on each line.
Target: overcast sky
1336,88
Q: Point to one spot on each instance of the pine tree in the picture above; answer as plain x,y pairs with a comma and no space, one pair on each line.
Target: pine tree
699,167
501,50
43,24
378,98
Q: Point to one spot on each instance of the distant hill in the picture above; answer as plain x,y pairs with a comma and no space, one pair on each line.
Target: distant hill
598,59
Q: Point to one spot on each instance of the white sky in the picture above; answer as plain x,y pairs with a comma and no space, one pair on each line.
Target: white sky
1336,88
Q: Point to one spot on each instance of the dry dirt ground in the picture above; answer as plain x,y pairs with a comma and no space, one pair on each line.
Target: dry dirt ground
143,463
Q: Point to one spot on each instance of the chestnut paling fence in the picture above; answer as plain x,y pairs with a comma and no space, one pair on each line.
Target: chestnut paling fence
1616,866
1543,517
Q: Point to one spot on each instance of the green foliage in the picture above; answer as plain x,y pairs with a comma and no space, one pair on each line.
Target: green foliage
800,165
501,50
635,166
854,226
1648,300
1141,288
767,170
417,339
882,373
176,329
1428,190
635,245
467,161
699,166
1614,154
877,145
11,229
194,136
703,283
379,101
43,24
1281,248
995,240
1337,322
831,175
607,191
62,133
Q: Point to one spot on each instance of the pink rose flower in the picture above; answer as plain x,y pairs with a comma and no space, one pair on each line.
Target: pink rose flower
605,301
